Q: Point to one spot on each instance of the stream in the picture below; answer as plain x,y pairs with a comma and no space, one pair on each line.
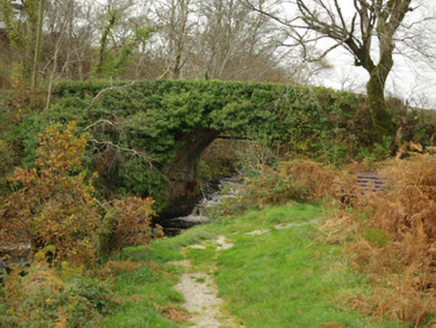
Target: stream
225,189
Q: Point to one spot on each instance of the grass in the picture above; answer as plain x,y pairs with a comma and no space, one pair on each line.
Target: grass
144,292
283,278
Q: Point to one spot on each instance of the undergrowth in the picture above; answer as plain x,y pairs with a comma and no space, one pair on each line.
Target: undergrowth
391,237
298,180
54,223
47,297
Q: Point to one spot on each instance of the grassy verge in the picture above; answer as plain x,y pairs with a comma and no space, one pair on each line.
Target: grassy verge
147,290
285,278
282,278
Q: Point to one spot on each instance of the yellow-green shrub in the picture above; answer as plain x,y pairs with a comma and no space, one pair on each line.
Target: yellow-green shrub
54,204
49,298
129,222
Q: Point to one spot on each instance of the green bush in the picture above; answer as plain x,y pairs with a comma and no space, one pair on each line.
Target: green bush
45,298
128,221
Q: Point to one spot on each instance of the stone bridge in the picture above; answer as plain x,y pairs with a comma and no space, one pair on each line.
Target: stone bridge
171,122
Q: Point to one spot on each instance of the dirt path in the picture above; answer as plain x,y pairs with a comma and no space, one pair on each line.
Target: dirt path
200,293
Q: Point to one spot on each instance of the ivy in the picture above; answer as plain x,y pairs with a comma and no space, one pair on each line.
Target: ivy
151,118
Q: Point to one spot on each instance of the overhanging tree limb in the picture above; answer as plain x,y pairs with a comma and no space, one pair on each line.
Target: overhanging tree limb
369,20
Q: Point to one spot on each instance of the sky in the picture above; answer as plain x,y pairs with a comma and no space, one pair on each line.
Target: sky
412,79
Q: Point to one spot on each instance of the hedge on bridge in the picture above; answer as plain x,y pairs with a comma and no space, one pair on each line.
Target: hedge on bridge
141,123
153,114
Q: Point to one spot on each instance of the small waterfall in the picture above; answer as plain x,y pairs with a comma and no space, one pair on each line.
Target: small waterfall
210,200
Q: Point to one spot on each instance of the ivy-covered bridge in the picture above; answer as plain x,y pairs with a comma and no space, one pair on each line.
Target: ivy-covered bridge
147,136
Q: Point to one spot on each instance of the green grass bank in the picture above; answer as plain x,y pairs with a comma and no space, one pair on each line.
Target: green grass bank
281,278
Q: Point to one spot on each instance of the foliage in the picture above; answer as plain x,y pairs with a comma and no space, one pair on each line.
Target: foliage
53,204
129,222
298,180
391,237
22,38
114,63
45,297
139,125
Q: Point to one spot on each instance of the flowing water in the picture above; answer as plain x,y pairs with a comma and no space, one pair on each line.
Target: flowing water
199,215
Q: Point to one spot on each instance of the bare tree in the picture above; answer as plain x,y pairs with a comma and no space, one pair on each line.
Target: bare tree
175,22
63,15
219,39
216,39
68,39
368,29
235,43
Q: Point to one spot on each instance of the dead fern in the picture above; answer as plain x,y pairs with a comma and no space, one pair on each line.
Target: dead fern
391,237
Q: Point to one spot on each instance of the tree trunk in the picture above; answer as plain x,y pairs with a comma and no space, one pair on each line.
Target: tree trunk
381,118
38,45
104,41
177,66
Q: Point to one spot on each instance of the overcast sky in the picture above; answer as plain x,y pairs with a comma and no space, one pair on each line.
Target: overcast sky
411,79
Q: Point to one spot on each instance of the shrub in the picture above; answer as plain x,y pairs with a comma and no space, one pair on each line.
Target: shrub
320,179
54,208
46,298
54,205
299,180
129,222
392,239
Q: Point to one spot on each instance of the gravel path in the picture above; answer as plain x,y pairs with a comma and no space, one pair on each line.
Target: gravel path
292,225
200,293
